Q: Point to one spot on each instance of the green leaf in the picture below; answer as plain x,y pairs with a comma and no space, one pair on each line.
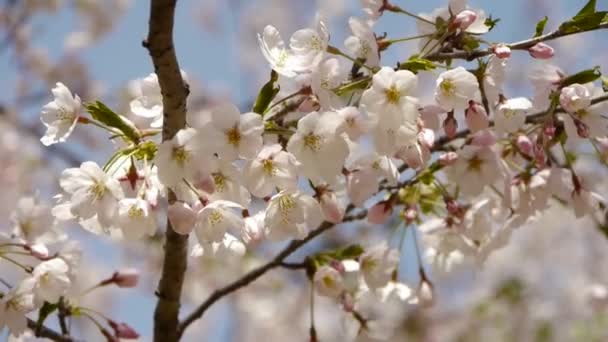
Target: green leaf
416,64
469,43
490,23
349,252
267,94
44,312
540,27
583,77
105,115
588,9
585,22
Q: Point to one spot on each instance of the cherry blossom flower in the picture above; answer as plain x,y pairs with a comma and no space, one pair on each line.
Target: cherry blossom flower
362,44
91,192
51,280
34,222
229,247
14,305
319,146
575,97
378,264
366,171
272,168
309,46
216,219
148,102
291,214
135,218
589,119
510,115
273,48
324,78
328,282
60,116
232,135
389,100
455,88
177,158
475,168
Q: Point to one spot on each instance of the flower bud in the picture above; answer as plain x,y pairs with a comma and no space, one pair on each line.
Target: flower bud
182,217
448,158
464,19
525,145
332,211
476,117
126,278
541,51
38,250
502,51
123,330
328,282
450,126
379,213
574,98
409,215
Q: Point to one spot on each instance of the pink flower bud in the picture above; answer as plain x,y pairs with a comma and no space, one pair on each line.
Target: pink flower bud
450,126
525,145
464,19
337,265
379,213
330,207
549,130
539,156
123,330
38,250
126,278
476,117
182,217
448,158
483,138
541,51
502,51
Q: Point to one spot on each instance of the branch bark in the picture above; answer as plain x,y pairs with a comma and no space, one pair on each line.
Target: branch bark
521,45
174,92
49,333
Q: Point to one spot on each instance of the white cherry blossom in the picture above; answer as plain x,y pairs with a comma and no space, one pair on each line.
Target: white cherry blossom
510,115
34,222
273,48
60,116
328,282
324,78
309,46
14,305
216,219
291,214
319,146
92,192
148,102
51,280
272,168
177,159
136,218
455,88
362,44
378,264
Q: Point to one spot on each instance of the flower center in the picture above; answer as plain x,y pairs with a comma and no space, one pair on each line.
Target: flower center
282,58
135,212
474,164
313,142
220,181
393,95
65,115
180,155
215,217
98,190
234,136
315,43
447,87
268,167
509,113
328,282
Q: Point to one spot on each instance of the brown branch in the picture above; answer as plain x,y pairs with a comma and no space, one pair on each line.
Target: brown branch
521,45
48,333
254,274
174,92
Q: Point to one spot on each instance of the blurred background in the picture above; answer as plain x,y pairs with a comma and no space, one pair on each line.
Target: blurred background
94,47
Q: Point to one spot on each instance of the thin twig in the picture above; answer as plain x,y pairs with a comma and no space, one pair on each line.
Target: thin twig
521,45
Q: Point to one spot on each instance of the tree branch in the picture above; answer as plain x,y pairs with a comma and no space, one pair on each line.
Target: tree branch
521,45
174,92
49,333
254,274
